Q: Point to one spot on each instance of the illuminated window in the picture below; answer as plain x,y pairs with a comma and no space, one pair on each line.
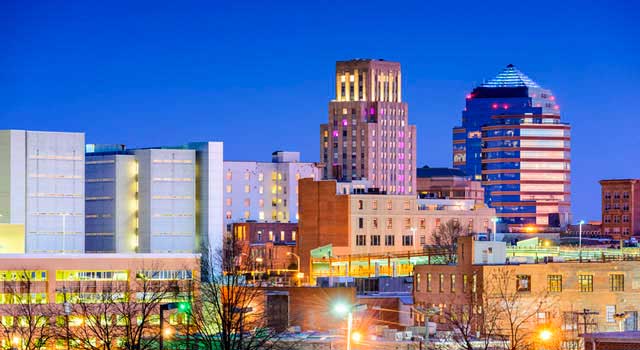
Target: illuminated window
428,282
261,215
281,235
247,202
247,175
441,284
417,282
374,205
229,175
554,283
271,235
453,283
247,214
228,188
261,189
585,283
389,223
293,235
228,214
465,283
261,175
247,188
389,205
229,202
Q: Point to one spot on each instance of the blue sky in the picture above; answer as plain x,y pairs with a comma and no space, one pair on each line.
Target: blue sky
259,75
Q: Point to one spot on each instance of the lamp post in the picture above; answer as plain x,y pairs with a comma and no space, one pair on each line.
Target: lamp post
181,306
297,266
580,238
341,309
426,312
495,222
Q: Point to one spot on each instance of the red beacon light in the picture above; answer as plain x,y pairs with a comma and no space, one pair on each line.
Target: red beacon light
494,106
552,98
505,106
469,96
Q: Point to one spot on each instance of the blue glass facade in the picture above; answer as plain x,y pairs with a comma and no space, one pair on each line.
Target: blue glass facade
510,129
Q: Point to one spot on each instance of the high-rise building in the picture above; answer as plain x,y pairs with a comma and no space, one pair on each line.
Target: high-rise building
156,200
621,207
42,190
368,135
264,191
512,139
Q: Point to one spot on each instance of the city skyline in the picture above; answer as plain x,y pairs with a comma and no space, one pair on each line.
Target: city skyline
108,77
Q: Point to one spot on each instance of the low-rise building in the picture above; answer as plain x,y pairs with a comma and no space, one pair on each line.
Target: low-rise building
268,244
621,208
448,183
566,292
364,221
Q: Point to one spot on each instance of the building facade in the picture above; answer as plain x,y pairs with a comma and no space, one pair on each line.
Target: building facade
621,208
268,245
42,189
445,183
565,289
368,135
264,191
512,139
361,222
156,200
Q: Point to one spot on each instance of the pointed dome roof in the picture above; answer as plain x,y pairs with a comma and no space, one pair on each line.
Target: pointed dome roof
510,77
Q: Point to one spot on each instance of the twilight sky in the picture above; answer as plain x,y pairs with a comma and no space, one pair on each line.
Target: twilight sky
259,75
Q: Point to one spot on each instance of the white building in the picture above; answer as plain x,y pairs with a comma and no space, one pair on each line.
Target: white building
157,200
42,188
265,191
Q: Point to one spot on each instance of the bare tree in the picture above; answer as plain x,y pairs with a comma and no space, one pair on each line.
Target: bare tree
518,307
102,326
474,325
230,314
446,237
28,323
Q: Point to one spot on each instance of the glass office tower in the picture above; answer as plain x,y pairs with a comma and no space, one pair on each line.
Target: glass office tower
512,139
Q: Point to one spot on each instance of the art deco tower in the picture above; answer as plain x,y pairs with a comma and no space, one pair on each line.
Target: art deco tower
512,139
368,135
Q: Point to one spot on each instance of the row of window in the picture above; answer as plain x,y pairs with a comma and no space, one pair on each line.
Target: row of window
422,223
389,240
275,215
616,195
616,206
275,176
616,218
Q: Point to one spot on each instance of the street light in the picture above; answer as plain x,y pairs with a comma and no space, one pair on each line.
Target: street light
182,306
342,308
426,312
495,220
545,335
297,266
580,239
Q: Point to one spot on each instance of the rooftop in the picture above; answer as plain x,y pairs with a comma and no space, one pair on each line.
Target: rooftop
510,77
426,171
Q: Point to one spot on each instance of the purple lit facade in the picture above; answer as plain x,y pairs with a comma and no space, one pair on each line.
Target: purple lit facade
368,135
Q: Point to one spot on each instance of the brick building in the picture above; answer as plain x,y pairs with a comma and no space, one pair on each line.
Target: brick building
621,207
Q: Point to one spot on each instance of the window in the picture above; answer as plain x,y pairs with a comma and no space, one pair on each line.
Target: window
228,214
423,224
360,222
453,283
228,188
247,202
270,235
247,188
375,223
465,283
407,205
417,282
610,311
389,223
361,204
585,283
229,175
281,235
389,240
389,205
616,282
407,240
428,282
247,175
554,283
261,176
361,240
375,240
374,205
524,283
407,223
259,235
441,286
229,202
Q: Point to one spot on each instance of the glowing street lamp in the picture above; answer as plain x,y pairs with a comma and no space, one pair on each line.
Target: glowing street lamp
545,335
341,309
